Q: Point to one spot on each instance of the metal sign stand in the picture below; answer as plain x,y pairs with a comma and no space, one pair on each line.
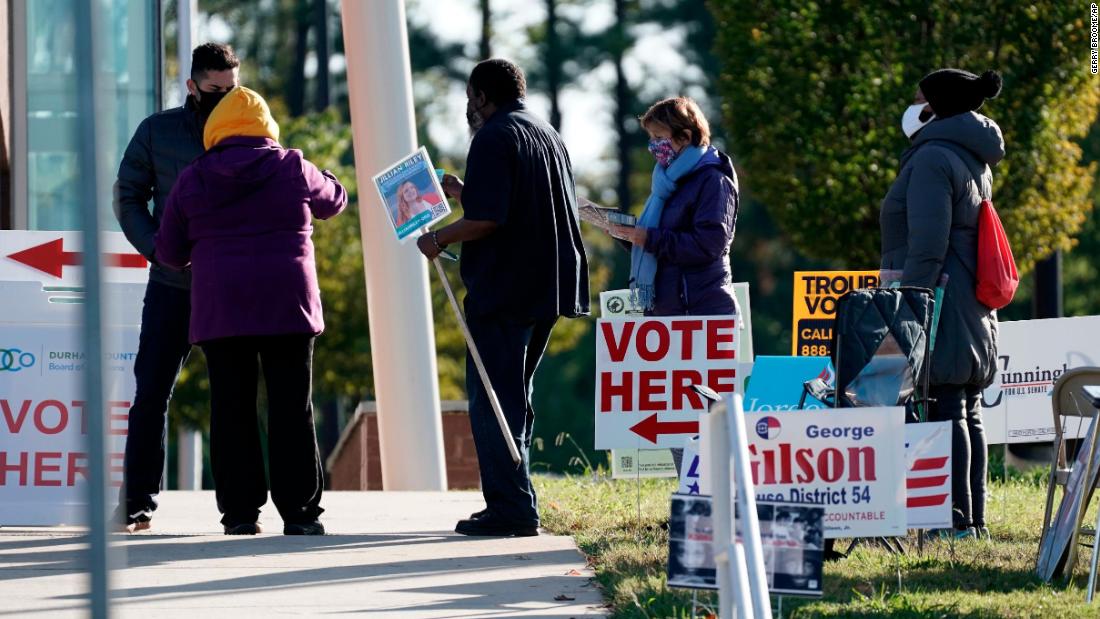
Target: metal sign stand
507,433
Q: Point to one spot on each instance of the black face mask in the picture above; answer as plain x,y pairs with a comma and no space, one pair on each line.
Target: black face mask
209,101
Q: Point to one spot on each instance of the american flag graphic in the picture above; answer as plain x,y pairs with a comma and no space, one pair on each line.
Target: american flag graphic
924,476
928,474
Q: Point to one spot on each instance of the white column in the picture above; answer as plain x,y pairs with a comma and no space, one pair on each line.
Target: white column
189,459
187,13
398,300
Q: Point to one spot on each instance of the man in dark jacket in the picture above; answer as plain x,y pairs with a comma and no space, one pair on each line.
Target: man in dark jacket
929,222
163,145
523,265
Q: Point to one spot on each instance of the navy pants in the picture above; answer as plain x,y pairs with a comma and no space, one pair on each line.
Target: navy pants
962,406
163,347
511,351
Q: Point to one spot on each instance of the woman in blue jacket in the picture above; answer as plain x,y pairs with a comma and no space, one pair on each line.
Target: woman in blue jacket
680,257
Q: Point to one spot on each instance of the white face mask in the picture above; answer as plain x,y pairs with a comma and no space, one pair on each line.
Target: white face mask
910,120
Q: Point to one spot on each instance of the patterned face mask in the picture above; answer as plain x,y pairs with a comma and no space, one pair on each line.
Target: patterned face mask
662,150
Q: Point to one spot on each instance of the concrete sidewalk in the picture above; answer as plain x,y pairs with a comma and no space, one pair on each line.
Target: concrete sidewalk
387,554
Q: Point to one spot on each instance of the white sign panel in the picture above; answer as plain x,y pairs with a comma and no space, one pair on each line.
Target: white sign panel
642,463
691,472
645,369
43,427
55,258
928,475
1016,408
847,461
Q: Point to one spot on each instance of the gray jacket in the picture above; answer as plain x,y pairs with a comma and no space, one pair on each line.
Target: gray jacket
163,145
929,222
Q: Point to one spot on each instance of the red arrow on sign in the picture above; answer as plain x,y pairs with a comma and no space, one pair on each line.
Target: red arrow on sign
51,257
649,428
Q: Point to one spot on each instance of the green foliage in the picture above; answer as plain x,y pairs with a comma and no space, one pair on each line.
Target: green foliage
814,91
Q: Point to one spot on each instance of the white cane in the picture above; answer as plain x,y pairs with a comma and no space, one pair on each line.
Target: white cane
480,366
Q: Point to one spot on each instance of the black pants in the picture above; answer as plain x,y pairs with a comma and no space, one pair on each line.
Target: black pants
236,456
962,406
511,351
163,347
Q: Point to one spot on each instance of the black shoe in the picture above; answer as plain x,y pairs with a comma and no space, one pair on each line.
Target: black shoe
478,515
490,525
244,528
304,528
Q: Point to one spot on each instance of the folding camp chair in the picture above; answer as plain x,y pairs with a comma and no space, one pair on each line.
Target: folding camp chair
881,357
880,347
1068,400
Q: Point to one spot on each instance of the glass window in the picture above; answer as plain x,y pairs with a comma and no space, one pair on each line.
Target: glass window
128,71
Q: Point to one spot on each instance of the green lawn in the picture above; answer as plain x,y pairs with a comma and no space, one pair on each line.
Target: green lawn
979,579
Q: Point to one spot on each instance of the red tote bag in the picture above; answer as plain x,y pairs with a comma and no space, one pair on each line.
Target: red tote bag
997,278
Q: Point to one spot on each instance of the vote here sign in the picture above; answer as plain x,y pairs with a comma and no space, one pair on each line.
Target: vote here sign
44,461
645,369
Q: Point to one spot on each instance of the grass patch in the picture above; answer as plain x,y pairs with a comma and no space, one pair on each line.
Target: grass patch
621,530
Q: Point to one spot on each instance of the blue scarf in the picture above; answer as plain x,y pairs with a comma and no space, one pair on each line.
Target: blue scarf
643,265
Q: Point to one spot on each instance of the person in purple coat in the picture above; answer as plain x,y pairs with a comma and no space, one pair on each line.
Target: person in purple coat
680,246
241,217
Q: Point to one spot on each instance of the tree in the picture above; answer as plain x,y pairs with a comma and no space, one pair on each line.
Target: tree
485,43
321,40
814,92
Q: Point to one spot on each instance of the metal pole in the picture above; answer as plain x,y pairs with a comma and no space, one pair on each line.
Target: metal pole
188,441
398,300
93,108
746,508
189,459
497,410
714,448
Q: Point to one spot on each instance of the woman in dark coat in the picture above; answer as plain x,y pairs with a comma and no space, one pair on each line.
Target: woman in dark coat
680,258
929,222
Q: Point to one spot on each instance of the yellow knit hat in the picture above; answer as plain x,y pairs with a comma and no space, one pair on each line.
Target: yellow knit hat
242,112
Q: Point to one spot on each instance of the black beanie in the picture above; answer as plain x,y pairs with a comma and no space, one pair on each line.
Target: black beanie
953,91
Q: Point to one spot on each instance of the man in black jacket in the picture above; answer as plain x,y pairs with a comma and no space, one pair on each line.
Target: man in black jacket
163,145
524,266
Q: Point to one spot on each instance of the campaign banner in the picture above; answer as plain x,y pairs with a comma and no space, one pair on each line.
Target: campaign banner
645,369
1032,355
691,543
411,194
791,540
845,460
928,475
691,469
776,383
814,311
642,463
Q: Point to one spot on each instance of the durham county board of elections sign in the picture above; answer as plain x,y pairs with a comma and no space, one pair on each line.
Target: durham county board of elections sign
645,369
849,461
814,311
43,426
1032,355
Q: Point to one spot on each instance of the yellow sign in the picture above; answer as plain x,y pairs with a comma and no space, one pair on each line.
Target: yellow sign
815,297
